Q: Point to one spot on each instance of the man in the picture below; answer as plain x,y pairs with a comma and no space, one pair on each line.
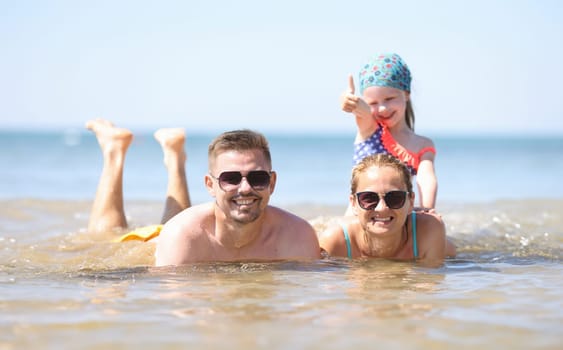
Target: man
239,224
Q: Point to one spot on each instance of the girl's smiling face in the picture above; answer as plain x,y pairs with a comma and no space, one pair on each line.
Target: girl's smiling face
388,105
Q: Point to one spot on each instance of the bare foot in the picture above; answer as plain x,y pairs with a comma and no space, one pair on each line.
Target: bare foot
107,210
177,197
172,142
111,138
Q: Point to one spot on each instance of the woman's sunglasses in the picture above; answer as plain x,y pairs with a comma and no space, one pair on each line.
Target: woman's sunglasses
393,199
230,180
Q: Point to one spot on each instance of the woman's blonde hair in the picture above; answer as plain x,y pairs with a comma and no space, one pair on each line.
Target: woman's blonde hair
380,160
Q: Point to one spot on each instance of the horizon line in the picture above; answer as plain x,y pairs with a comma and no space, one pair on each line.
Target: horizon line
443,133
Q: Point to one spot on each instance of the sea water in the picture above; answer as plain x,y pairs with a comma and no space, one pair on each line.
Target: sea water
60,287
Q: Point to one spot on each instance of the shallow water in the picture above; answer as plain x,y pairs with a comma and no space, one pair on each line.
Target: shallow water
60,287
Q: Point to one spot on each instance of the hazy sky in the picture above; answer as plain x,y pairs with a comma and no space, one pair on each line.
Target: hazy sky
478,66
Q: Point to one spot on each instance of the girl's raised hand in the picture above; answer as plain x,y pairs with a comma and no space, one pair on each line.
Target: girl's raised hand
351,103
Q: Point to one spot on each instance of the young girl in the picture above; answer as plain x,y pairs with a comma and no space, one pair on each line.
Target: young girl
385,120
384,224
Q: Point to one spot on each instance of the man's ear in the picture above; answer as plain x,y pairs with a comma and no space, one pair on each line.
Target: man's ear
273,178
209,185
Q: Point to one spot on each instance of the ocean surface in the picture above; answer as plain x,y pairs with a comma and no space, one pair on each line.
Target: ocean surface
60,287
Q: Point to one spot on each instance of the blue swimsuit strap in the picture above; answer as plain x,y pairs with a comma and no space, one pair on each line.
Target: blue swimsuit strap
414,246
347,238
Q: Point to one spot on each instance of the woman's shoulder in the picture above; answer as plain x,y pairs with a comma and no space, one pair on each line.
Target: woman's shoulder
332,237
430,228
336,225
428,219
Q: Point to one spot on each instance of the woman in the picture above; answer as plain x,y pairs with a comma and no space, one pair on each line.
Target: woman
384,224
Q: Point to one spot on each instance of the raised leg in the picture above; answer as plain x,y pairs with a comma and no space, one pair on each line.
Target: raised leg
107,209
177,197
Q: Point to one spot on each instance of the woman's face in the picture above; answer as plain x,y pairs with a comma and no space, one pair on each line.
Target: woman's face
388,105
383,219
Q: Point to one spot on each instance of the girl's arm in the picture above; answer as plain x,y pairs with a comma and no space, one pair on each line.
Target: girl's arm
365,123
427,184
426,175
351,103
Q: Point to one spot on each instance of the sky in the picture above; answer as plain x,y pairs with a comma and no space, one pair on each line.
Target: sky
479,67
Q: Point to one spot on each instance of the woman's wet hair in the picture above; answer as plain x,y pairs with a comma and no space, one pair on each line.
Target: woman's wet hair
380,160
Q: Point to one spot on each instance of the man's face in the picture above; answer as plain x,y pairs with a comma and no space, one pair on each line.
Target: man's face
241,203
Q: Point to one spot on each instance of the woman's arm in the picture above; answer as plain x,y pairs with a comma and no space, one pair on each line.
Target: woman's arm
431,239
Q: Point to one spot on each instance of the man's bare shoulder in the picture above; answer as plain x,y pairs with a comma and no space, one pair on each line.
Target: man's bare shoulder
192,214
296,236
184,237
189,223
277,216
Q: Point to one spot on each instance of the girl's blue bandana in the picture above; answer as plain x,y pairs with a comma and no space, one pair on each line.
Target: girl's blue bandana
387,70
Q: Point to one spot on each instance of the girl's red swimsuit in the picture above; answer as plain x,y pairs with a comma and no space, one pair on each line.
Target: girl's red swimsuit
381,141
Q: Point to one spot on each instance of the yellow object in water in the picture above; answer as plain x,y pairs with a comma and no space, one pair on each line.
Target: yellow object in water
145,233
